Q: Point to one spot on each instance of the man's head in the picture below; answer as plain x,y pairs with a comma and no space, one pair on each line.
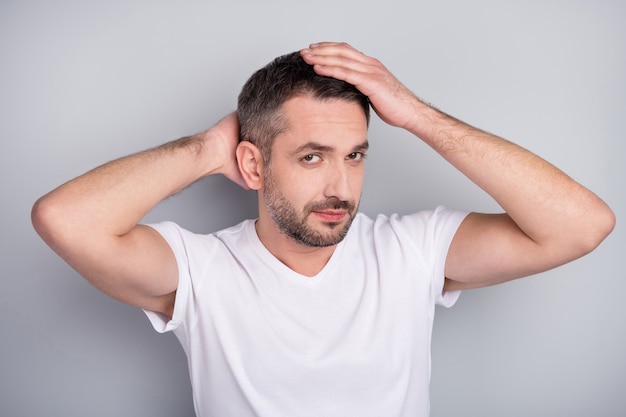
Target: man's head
304,137
260,101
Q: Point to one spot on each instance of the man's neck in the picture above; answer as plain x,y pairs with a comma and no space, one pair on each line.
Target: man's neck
303,259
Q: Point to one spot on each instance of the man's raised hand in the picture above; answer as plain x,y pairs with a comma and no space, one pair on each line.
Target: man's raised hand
224,137
391,100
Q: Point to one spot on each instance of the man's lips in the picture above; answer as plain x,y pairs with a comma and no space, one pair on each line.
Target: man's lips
332,216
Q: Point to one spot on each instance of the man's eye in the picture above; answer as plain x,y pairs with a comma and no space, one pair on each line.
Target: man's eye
311,158
356,156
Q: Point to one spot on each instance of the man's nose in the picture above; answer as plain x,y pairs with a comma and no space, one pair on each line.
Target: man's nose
338,183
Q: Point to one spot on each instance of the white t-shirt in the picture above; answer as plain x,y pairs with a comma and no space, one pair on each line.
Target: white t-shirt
354,340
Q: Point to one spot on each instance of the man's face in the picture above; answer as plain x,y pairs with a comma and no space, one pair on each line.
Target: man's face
313,184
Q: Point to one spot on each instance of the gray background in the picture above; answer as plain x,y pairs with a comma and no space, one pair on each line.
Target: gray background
84,82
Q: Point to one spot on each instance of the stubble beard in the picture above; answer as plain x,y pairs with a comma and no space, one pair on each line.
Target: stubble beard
295,226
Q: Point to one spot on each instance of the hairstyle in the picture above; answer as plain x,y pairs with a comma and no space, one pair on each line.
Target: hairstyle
262,96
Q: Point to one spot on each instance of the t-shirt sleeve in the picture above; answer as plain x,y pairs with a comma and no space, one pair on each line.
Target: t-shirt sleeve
173,235
446,224
432,231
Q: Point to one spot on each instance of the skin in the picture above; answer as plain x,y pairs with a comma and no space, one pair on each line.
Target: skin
92,221
319,160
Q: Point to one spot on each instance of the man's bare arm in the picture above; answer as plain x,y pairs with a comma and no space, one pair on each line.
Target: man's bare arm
92,221
550,219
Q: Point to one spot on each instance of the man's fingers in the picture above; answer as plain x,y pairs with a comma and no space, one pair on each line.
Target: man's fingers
387,95
343,45
335,50
339,65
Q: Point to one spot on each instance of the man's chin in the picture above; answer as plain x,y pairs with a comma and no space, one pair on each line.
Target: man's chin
325,234
333,225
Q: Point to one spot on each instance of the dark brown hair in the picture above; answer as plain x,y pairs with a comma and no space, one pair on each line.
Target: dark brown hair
288,76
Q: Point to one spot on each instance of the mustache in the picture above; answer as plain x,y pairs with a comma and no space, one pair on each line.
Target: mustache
331,204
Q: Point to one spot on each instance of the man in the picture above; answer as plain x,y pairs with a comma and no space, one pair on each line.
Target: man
313,309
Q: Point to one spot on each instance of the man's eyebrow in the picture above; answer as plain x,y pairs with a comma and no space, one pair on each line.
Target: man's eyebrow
362,147
314,146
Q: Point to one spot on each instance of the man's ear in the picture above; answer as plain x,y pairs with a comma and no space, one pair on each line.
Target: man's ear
250,163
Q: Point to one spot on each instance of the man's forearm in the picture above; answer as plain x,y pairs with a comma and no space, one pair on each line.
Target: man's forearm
112,198
543,201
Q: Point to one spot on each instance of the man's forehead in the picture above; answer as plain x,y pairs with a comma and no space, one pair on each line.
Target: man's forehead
310,110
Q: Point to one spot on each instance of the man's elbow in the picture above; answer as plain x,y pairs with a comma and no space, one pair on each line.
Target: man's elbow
601,223
49,219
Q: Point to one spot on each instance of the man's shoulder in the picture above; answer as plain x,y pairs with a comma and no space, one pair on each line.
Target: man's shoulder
173,231
238,229
417,222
